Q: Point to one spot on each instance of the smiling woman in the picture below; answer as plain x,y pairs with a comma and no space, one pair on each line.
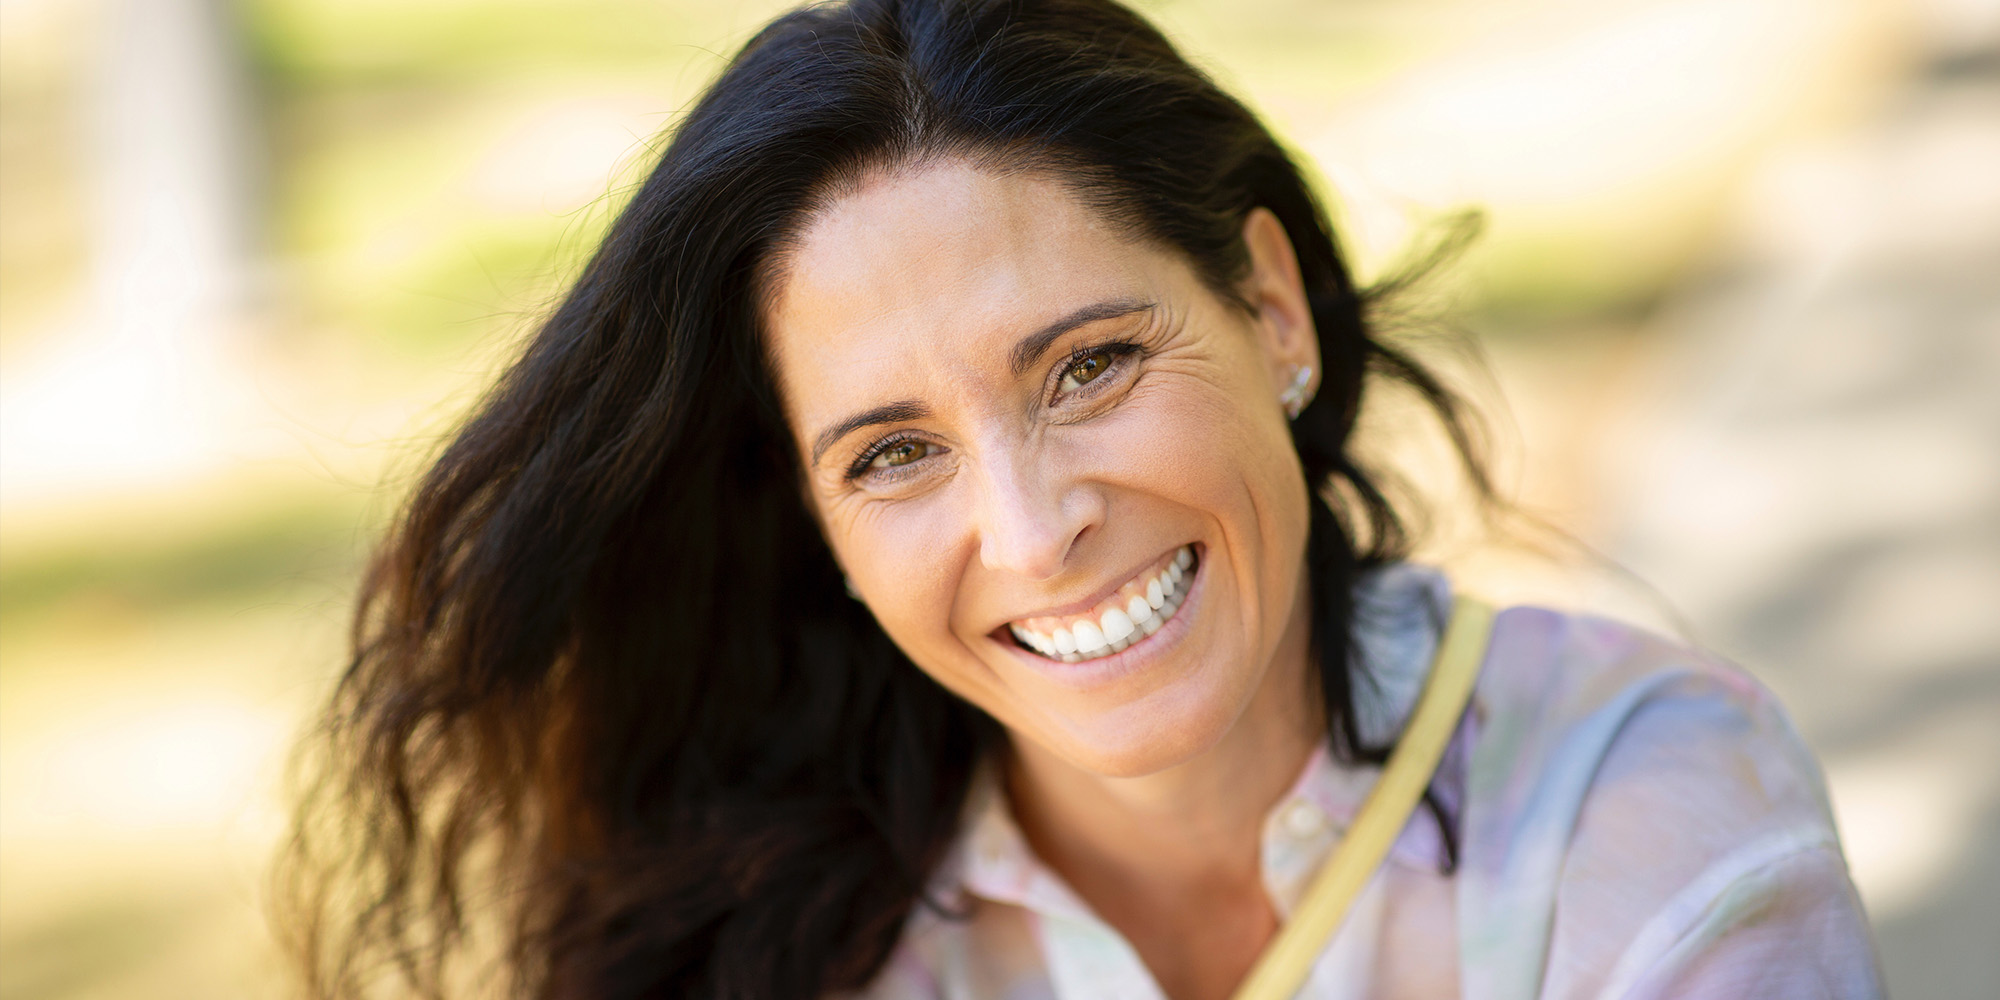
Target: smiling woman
1007,516
1005,314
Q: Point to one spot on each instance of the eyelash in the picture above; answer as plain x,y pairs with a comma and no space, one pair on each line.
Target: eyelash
874,451
1118,350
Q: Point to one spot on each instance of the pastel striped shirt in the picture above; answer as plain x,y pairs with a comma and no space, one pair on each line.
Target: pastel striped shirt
1635,820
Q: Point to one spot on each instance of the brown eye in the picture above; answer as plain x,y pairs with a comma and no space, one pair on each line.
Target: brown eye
902,453
1086,368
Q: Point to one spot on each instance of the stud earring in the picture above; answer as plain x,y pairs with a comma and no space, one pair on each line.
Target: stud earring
851,592
1296,397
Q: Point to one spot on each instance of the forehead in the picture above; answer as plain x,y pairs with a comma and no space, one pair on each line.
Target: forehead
949,257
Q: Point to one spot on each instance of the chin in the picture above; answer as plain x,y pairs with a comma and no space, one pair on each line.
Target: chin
1146,736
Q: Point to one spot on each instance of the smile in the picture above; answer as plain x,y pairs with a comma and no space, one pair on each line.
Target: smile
1134,611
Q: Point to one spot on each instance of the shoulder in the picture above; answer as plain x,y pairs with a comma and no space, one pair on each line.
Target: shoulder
971,934
1558,692
1638,800
978,948
1570,707
1578,704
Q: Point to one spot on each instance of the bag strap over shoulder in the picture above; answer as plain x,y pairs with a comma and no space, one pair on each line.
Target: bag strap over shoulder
1283,966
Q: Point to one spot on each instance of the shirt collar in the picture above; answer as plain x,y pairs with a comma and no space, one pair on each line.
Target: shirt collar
993,859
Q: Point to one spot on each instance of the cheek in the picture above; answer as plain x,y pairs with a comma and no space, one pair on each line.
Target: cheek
906,557
1197,441
1201,446
909,559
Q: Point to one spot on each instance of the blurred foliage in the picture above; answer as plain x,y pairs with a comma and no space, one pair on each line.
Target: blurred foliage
376,112
43,246
304,44
182,561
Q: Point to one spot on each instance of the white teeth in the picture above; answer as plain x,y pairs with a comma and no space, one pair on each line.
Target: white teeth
1120,627
1117,626
1089,638
1138,610
1033,640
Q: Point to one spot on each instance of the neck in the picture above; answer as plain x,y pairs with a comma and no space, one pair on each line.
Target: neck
1191,821
1163,856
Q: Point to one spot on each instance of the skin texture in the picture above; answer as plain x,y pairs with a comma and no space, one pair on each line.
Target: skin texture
1011,492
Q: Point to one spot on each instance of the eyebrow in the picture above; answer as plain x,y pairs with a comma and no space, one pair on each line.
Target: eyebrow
887,413
1026,352
1031,347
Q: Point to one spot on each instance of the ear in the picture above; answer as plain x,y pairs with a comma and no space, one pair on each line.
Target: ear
1277,295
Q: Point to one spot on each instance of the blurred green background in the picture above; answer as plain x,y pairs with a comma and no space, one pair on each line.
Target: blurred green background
256,257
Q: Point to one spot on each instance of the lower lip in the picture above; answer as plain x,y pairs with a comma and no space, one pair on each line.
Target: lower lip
1133,659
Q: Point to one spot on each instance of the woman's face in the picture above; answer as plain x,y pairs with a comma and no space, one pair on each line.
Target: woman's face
1050,460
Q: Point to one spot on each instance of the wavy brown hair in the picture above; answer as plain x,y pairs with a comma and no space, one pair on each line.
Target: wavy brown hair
573,734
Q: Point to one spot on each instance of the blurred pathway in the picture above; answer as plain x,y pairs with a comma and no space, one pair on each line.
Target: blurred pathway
1823,499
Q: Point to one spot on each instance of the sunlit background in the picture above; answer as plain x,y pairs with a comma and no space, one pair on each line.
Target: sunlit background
1739,296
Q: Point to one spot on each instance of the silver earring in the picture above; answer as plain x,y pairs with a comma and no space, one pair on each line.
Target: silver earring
1295,397
851,592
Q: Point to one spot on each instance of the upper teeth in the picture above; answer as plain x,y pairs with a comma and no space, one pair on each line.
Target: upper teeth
1131,613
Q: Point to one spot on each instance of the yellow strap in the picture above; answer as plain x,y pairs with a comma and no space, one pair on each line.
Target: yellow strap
1283,966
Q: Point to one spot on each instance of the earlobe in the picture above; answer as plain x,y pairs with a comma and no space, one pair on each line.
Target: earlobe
1276,290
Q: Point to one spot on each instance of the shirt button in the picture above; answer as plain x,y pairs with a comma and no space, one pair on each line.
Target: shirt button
1302,819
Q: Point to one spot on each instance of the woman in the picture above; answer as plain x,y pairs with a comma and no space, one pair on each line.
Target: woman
921,557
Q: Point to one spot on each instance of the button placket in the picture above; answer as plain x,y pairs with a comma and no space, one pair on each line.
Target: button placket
1302,820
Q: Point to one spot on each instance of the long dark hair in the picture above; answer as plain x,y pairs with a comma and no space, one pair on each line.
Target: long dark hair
573,728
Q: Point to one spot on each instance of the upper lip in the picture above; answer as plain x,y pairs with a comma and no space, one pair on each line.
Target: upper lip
1075,608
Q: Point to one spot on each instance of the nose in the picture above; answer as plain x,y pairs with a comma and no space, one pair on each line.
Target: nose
1031,515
